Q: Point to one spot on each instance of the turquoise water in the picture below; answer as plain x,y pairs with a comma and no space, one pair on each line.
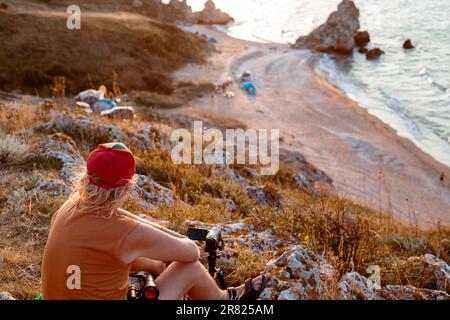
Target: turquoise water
408,90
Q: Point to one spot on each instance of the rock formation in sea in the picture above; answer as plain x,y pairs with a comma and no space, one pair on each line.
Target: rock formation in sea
211,15
374,54
337,34
363,50
408,45
181,7
362,38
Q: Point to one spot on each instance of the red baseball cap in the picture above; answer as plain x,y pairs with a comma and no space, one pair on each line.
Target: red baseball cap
111,165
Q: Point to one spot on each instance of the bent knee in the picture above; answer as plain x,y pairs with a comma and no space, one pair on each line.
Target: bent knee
188,266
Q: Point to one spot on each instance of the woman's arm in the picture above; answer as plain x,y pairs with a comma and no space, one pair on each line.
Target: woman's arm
149,242
155,225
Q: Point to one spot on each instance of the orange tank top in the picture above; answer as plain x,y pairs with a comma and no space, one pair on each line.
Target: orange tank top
81,258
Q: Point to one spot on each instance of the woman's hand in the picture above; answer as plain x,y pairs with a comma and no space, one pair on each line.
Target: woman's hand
148,265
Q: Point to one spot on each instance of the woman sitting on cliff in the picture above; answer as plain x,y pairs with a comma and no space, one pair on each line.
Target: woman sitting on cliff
90,235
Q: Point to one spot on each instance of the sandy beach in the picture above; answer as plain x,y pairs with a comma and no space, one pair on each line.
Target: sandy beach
366,159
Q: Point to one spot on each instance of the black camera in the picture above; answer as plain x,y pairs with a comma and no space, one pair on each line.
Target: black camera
213,242
213,238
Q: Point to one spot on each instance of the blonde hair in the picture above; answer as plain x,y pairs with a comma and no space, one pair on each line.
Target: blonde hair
93,199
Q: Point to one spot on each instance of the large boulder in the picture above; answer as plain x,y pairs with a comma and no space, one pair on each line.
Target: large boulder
394,292
426,271
296,274
306,176
149,194
62,147
354,286
142,136
211,15
337,34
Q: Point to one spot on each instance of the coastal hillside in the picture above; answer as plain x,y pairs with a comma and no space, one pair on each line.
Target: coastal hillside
113,45
314,244
314,241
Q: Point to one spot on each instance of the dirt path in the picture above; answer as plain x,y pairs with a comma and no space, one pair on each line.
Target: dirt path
365,158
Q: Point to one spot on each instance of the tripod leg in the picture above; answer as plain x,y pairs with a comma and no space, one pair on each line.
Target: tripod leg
220,278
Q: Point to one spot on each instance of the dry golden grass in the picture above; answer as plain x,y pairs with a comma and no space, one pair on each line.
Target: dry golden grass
249,265
349,235
16,117
15,277
12,148
170,96
138,49
23,234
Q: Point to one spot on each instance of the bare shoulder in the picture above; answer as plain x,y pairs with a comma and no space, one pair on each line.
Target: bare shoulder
130,215
127,214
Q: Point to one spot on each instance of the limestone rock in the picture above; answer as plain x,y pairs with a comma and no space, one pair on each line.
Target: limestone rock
119,113
426,271
306,175
393,292
264,196
62,147
84,126
357,287
54,188
295,275
230,175
142,136
303,183
149,194
6,296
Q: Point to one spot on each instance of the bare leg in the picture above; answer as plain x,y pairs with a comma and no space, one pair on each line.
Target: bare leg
192,279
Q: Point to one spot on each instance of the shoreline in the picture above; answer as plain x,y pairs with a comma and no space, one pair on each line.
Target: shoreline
366,158
324,73
408,143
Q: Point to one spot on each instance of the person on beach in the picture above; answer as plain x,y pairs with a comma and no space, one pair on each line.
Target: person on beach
93,239
91,96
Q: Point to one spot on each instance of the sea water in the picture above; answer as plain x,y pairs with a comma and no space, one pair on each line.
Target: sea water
409,90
